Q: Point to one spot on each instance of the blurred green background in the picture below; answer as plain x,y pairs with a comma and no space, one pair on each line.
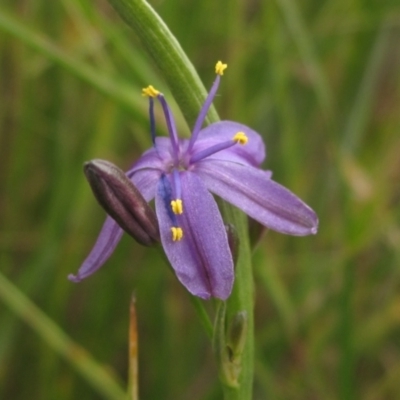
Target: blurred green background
320,80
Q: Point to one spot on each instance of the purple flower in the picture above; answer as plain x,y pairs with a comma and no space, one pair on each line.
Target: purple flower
223,159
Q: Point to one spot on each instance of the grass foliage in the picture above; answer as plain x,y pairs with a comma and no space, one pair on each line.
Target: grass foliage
319,80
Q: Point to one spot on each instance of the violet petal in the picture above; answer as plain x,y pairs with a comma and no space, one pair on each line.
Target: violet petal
257,195
107,240
111,233
146,181
156,157
201,259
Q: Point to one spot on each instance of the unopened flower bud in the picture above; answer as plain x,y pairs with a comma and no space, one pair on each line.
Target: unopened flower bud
229,344
237,333
122,201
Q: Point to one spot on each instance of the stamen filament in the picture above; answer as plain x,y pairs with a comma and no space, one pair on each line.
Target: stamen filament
151,92
152,121
239,138
171,127
176,205
219,68
177,183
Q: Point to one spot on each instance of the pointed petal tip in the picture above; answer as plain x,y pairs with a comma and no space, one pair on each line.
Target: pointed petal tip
310,227
263,199
222,297
202,295
208,296
74,278
314,229
208,293
315,223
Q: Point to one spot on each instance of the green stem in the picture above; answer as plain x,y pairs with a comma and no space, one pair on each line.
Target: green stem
190,93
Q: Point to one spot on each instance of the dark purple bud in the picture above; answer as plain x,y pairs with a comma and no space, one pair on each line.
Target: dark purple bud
122,201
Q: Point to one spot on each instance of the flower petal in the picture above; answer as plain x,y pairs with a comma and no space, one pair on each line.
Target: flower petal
146,181
257,195
201,259
252,153
108,239
155,157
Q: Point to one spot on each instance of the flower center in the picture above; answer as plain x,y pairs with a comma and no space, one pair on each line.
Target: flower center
181,161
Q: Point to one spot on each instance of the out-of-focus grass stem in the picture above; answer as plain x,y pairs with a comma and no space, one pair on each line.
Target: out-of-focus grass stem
167,54
133,381
95,374
304,42
360,112
346,334
121,92
202,314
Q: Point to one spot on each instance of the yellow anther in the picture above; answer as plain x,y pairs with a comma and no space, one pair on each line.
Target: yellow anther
177,233
220,67
240,138
177,206
149,91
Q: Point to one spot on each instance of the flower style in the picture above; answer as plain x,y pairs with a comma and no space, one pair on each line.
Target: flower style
223,159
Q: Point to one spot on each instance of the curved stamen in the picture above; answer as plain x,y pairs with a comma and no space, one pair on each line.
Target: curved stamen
151,92
239,138
152,121
177,184
171,128
219,70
